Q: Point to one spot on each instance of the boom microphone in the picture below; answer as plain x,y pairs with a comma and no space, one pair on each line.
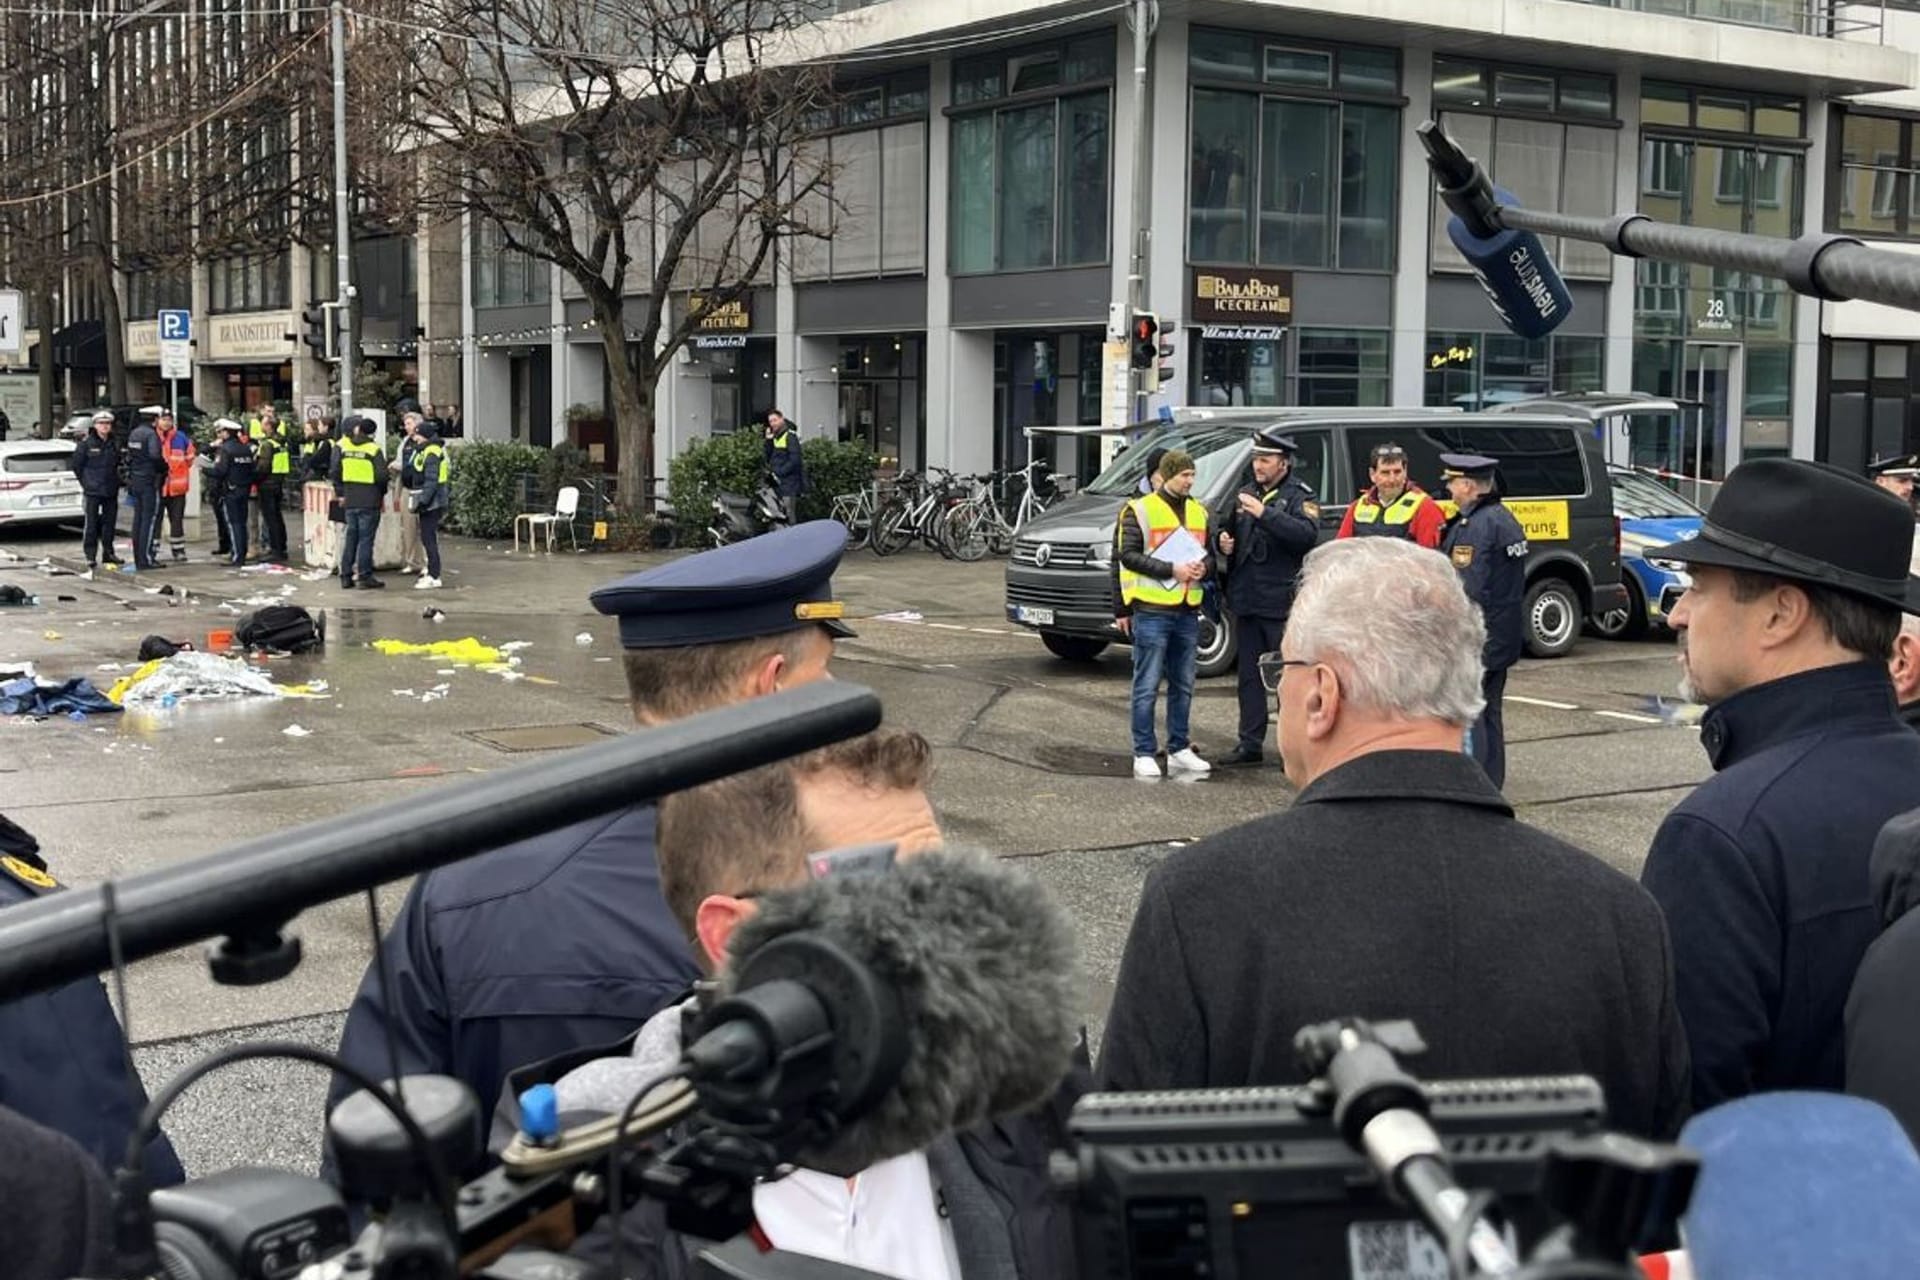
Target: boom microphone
949,986
1802,1184
1520,280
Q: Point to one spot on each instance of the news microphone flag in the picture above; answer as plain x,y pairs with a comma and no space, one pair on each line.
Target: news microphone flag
1518,276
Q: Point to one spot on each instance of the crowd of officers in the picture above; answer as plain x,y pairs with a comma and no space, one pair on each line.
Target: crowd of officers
252,469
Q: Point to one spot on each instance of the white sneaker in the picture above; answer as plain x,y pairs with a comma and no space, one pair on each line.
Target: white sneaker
1146,767
426,583
1188,762
409,570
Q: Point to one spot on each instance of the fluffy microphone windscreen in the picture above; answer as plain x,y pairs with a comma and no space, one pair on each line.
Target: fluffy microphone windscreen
1795,1185
983,960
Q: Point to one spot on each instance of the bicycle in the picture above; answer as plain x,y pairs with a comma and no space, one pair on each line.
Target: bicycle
980,524
856,511
916,511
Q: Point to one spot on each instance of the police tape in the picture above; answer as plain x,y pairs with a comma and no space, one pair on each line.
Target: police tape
1660,474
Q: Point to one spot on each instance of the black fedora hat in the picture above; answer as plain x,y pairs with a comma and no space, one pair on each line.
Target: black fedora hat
1808,522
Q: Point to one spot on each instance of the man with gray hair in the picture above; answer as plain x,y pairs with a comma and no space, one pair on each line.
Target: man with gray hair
1399,885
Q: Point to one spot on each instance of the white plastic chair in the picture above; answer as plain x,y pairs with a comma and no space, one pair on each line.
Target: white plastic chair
564,508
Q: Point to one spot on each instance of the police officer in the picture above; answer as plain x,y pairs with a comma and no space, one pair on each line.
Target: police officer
1489,548
360,477
146,466
783,459
96,461
565,940
1896,475
63,1060
275,466
316,452
1271,524
234,465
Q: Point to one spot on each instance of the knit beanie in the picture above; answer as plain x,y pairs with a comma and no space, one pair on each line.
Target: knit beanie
1176,461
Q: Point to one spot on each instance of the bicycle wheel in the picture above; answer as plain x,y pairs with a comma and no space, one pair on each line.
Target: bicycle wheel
892,529
964,532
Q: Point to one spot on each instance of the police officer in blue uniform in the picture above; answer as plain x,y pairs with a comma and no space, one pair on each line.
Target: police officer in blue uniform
1489,548
1267,529
565,940
63,1060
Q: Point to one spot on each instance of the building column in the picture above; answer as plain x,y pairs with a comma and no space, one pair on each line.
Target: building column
1167,238
1407,356
479,418
787,373
1623,287
440,298
940,336
1806,311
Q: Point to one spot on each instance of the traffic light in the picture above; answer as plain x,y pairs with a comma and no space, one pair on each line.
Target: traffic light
1150,345
318,319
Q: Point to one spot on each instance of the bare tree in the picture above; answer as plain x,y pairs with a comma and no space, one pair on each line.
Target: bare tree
649,147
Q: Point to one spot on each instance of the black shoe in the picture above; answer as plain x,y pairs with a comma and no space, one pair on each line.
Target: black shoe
371,584
346,584
1240,756
111,563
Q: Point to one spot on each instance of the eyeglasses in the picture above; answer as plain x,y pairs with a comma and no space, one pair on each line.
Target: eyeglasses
1273,666
1389,453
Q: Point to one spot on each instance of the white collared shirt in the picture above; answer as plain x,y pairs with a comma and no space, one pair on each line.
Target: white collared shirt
886,1219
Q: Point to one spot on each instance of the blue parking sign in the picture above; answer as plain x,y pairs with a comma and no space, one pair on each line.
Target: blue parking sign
176,326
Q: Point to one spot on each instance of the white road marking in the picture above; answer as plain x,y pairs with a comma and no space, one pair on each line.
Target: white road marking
1630,716
986,631
945,626
1540,702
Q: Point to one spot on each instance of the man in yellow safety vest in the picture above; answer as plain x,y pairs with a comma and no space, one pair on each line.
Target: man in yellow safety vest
1163,563
359,473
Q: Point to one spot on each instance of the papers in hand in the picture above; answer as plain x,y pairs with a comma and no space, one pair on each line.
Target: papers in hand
1181,547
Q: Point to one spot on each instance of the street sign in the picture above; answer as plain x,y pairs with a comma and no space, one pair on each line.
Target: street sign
12,314
176,357
176,326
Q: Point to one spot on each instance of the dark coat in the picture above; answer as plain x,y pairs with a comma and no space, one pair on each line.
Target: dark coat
784,460
146,464
1763,874
1399,885
97,463
63,1060
1489,548
1267,548
235,465
521,954
59,1206
1883,1011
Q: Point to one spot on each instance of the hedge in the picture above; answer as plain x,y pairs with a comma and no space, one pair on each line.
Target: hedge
735,462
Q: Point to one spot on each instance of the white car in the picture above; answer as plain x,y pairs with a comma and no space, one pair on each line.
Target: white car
36,485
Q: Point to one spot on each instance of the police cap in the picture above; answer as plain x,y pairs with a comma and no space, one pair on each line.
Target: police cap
103,415
226,424
1269,441
1903,464
1470,465
778,582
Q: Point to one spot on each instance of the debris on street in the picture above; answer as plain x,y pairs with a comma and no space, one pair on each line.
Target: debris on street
466,651
74,698
295,731
190,676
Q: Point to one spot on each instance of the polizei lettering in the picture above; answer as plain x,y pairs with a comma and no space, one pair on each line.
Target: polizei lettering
1521,260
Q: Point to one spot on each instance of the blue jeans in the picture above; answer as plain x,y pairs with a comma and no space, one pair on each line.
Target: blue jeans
1164,644
356,543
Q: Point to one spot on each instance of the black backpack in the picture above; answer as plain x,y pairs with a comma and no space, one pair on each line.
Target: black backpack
284,627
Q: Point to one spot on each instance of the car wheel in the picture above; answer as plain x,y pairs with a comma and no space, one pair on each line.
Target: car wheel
1553,617
1629,621
1073,648
1215,655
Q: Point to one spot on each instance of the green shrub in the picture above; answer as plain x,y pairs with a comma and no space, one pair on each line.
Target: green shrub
487,479
734,463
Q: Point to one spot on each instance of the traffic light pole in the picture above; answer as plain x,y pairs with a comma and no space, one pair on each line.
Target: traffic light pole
342,227
1143,18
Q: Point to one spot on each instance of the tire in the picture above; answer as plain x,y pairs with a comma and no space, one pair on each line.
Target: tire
1216,654
1553,616
963,532
1629,621
890,531
1072,648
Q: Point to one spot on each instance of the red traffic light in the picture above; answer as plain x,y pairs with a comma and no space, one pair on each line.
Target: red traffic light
1145,327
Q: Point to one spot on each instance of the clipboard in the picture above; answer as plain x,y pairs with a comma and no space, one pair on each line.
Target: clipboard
1181,547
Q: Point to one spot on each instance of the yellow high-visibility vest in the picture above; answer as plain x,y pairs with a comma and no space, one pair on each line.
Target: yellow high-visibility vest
358,462
421,456
1158,523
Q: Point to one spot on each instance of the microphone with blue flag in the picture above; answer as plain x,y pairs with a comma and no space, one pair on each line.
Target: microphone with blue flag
1511,265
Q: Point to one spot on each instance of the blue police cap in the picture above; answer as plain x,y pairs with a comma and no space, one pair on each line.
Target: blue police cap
1470,465
1268,440
777,582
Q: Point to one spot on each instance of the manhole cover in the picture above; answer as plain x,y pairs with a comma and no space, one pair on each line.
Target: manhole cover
542,737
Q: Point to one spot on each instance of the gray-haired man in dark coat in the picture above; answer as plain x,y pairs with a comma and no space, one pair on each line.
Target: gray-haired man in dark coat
1399,885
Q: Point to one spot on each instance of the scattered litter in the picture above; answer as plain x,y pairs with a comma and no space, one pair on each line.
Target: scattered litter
433,615
405,693
266,568
444,671
28,696
584,639
17,671
219,742
536,679
259,600
466,651
603,659
515,646
190,676
317,575
899,615
50,635
68,599
511,675
10,594
295,731
111,666
419,771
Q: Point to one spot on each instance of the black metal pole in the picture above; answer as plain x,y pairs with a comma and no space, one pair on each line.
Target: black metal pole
261,884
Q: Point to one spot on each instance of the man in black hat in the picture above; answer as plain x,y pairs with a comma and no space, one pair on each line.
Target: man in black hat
1799,580
565,940
1269,526
1489,548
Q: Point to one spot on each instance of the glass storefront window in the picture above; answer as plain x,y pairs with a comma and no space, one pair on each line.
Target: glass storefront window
1221,197
1476,370
1241,373
1343,367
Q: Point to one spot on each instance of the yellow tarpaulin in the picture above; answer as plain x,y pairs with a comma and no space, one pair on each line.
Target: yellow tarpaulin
466,651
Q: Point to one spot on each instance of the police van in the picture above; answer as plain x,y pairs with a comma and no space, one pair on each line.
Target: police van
1060,579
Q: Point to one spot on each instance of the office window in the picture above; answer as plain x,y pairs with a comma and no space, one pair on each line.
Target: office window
248,282
1727,187
1874,186
1677,106
504,277
1342,367
1029,179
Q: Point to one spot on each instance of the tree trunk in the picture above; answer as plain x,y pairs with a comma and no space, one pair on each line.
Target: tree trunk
100,262
633,408
43,307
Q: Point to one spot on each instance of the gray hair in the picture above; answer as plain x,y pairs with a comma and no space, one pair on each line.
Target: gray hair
1391,618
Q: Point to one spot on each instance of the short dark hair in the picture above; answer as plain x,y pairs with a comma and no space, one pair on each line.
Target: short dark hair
674,683
1855,623
1388,452
744,833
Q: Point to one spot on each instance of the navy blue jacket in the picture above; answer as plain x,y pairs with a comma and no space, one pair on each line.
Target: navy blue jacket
1489,548
97,463
235,462
1763,874
523,954
1267,548
63,1061
784,460
146,465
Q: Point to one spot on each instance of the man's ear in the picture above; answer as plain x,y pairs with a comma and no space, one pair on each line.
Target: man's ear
714,922
765,676
1905,667
1789,614
1322,702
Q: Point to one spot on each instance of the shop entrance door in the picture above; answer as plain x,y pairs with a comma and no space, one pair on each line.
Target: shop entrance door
1710,434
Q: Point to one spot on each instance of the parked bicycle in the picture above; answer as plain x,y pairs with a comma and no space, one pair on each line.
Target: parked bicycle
917,511
982,523
856,511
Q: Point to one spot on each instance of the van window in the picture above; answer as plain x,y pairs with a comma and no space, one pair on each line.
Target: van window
1310,464
1214,450
1535,461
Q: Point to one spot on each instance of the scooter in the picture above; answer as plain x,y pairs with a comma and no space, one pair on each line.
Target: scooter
737,517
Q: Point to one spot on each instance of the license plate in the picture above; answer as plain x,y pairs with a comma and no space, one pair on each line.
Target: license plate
1394,1251
54,500
1033,617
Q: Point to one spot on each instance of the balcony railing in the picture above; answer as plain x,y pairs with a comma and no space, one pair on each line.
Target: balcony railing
1830,18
